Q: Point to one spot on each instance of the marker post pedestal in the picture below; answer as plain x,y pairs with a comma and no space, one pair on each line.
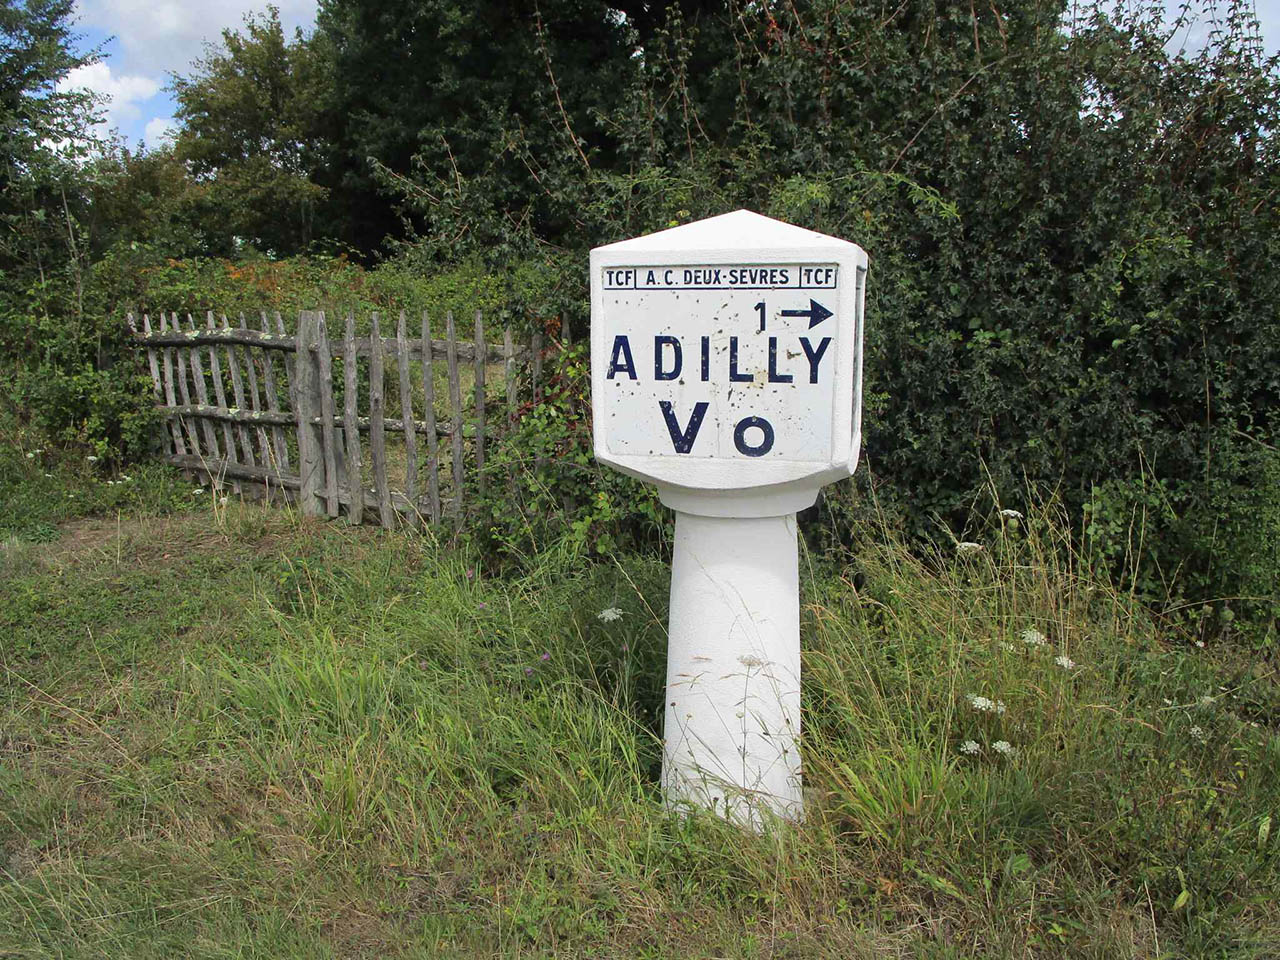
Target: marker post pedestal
733,669
726,367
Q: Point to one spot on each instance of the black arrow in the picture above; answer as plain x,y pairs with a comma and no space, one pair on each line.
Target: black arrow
816,313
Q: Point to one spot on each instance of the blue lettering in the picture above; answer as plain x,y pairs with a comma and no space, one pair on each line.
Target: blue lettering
706,359
683,440
740,440
621,361
815,356
658,372
774,375
734,375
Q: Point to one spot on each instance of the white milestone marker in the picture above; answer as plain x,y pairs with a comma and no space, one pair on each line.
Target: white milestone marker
726,367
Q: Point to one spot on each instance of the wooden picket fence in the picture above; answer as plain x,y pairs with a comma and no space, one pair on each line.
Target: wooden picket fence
266,413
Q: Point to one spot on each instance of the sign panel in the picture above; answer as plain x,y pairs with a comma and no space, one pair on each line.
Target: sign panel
735,361
726,355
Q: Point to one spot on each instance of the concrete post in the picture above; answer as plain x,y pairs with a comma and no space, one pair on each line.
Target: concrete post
726,368
733,669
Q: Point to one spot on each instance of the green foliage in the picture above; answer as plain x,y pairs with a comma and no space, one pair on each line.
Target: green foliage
544,487
449,100
253,119
1072,235
43,485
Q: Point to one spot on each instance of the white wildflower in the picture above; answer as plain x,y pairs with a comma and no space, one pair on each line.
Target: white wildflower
751,661
1011,514
125,477
965,547
1167,701
970,747
1206,701
1034,638
1004,747
986,704
1006,645
1200,644
49,475
92,459
1197,734
223,501
609,614
31,456
1065,662
197,491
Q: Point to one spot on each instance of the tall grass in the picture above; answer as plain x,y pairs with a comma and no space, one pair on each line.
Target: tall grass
358,745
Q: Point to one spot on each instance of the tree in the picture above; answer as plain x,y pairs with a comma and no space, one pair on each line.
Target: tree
1074,234
472,106
43,132
253,114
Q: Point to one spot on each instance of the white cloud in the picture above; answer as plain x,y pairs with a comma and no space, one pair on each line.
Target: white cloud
158,130
99,78
157,37
122,93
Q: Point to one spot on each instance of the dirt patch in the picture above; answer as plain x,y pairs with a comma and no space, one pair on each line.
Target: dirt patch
91,533
152,540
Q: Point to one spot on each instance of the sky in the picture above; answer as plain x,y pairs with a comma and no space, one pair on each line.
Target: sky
143,41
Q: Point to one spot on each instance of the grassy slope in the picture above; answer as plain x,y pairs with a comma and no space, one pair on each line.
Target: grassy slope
226,732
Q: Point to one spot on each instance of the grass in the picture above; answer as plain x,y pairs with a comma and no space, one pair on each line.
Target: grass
227,732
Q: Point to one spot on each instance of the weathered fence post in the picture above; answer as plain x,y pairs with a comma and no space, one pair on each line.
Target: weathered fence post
433,434
211,451
377,425
482,361
455,405
220,395
273,400
310,438
406,417
350,426
255,399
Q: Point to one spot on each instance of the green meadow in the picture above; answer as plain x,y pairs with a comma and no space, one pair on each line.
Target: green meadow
227,731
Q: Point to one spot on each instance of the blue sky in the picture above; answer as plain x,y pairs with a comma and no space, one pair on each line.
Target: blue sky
143,41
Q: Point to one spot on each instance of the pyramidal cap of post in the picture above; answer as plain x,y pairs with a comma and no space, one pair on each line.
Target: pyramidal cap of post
740,317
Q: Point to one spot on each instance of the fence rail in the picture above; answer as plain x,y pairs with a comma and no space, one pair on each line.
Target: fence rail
306,418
